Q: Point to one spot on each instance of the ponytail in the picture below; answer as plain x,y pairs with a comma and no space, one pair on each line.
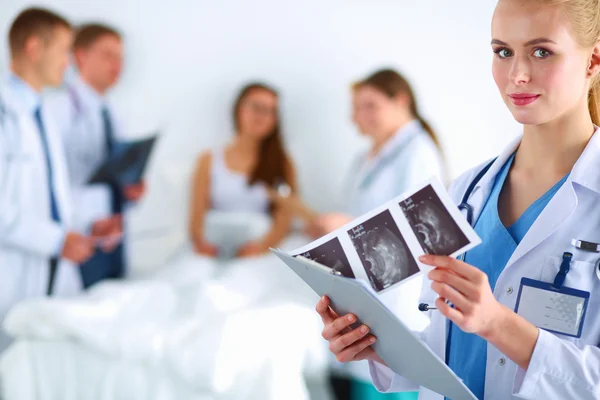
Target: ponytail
436,141
427,127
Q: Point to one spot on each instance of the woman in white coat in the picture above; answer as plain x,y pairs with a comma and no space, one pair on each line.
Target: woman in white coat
533,206
405,151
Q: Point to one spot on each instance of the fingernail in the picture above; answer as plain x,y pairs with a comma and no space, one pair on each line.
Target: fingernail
364,329
423,258
372,340
351,318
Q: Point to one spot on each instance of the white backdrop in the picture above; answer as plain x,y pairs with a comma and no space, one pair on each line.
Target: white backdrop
185,59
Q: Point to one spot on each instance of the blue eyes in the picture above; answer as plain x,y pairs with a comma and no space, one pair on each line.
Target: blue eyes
503,53
539,53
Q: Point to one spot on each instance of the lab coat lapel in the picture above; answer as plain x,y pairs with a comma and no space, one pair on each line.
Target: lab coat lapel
564,202
482,190
556,212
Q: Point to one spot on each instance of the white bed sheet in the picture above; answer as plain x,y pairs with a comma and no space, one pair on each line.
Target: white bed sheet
241,330
48,370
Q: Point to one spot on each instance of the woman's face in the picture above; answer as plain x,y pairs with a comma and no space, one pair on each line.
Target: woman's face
376,114
539,67
258,114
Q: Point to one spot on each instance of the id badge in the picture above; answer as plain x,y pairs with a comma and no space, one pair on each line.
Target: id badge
558,310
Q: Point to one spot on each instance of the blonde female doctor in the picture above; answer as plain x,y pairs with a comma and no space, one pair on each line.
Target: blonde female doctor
536,209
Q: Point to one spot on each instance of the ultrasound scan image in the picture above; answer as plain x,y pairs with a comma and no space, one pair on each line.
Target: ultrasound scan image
434,227
383,251
331,255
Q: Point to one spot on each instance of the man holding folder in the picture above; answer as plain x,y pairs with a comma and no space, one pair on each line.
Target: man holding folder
91,136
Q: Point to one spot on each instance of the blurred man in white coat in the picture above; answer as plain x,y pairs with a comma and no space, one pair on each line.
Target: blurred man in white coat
91,133
39,251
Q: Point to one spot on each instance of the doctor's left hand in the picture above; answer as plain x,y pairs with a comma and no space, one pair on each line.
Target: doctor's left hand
135,191
476,310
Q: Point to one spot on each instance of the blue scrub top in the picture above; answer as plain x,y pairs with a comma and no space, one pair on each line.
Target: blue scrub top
467,352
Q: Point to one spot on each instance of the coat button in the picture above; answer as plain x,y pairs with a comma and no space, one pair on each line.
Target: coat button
509,290
501,362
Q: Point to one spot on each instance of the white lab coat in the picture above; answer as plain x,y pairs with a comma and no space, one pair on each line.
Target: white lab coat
407,159
77,111
561,367
28,236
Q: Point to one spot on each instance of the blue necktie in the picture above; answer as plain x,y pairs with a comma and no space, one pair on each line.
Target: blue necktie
109,139
109,136
53,202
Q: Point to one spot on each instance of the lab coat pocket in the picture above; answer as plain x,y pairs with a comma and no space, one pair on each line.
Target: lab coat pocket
581,276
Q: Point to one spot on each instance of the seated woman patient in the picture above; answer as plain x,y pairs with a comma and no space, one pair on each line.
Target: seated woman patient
235,179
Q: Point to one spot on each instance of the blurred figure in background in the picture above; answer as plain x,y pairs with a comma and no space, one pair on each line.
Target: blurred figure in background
405,151
235,179
91,134
37,244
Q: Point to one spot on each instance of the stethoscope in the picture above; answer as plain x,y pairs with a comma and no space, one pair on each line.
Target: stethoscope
468,211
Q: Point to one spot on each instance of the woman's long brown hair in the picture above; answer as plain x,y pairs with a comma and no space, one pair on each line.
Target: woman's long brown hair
273,162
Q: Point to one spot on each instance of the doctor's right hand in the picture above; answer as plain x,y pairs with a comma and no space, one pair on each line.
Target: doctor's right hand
77,248
345,343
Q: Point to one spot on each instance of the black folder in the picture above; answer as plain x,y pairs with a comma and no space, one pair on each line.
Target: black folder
127,164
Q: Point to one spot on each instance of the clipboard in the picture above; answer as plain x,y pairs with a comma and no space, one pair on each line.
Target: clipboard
127,164
401,350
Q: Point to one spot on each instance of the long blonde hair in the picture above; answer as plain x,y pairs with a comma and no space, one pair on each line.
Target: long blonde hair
584,16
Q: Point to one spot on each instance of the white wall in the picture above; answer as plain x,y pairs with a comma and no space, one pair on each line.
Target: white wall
186,58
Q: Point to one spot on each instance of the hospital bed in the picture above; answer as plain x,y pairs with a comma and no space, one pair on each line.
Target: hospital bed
197,329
